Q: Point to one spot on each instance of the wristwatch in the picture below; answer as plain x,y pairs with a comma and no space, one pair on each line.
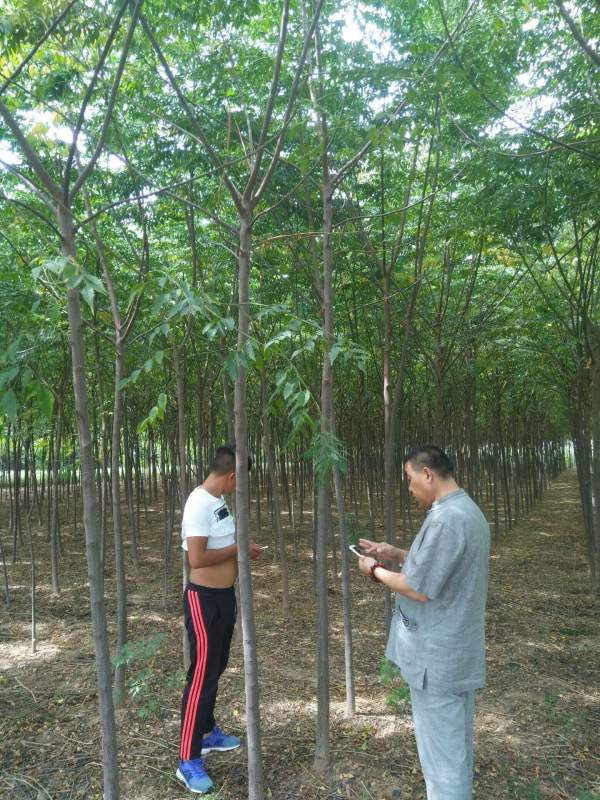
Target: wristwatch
372,571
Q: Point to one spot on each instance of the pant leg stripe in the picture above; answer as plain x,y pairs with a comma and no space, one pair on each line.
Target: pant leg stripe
198,679
191,711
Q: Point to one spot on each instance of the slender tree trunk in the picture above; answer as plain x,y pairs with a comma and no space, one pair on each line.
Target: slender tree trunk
120,575
33,583
183,482
228,397
5,573
104,445
346,594
322,756
255,772
276,505
92,529
594,533
55,519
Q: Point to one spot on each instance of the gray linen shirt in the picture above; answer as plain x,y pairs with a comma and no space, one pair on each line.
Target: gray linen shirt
441,643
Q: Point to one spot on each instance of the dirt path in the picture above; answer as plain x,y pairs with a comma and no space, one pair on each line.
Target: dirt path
538,723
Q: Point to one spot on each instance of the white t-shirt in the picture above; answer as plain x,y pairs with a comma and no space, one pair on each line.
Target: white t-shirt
207,515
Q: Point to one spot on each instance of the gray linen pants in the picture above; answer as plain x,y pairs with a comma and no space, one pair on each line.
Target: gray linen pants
444,733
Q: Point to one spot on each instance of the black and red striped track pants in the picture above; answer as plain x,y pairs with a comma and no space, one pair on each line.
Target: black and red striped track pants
209,620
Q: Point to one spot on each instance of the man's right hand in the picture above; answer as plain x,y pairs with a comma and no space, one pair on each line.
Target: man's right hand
381,550
255,551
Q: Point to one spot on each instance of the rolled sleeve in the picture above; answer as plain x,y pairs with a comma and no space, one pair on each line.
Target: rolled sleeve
435,560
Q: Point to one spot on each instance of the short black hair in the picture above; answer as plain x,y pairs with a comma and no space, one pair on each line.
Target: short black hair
431,456
224,460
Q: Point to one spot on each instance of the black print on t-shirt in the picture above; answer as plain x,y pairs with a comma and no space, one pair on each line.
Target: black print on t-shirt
221,513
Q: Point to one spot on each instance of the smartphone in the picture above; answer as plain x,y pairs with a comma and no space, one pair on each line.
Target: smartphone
356,550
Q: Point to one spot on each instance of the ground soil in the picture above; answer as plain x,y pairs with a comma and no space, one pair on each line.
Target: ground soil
538,721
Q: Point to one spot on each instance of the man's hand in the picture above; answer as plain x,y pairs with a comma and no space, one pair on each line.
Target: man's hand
365,563
380,550
255,551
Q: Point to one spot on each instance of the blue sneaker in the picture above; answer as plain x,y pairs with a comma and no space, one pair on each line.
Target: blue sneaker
194,776
219,742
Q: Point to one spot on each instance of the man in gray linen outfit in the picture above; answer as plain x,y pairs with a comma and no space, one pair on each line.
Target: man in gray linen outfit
437,636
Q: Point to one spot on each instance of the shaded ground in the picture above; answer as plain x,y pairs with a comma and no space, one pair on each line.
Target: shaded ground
538,723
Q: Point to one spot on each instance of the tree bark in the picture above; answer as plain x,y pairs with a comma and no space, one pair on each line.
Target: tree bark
91,525
276,505
255,772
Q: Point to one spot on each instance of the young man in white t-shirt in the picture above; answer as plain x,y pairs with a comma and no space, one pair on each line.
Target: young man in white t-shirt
208,534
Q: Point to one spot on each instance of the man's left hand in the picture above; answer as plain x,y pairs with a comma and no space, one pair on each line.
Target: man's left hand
365,563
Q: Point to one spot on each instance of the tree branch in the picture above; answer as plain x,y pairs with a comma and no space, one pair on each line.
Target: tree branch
495,105
32,210
233,190
90,89
270,101
290,105
30,155
43,196
577,33
111,103
36,47
352,162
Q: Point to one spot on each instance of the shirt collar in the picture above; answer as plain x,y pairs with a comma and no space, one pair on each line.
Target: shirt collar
449,496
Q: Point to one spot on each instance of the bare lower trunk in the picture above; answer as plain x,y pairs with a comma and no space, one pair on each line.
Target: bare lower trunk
183,483
255,773
55,518
91,527
276,504
322,755
5,573
120,576
594,534
33,586
390,440
346,593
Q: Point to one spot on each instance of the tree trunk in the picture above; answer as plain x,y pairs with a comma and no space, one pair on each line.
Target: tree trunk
346,594
55,518
183,483
255,772
110,763
276,505
594,533
120,576
322,757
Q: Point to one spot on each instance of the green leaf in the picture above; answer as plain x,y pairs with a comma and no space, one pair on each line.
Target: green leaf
130,379
45,400
56,265
88,295
8,404
95,282
72,274
334,353
7,375
279,337
231,366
